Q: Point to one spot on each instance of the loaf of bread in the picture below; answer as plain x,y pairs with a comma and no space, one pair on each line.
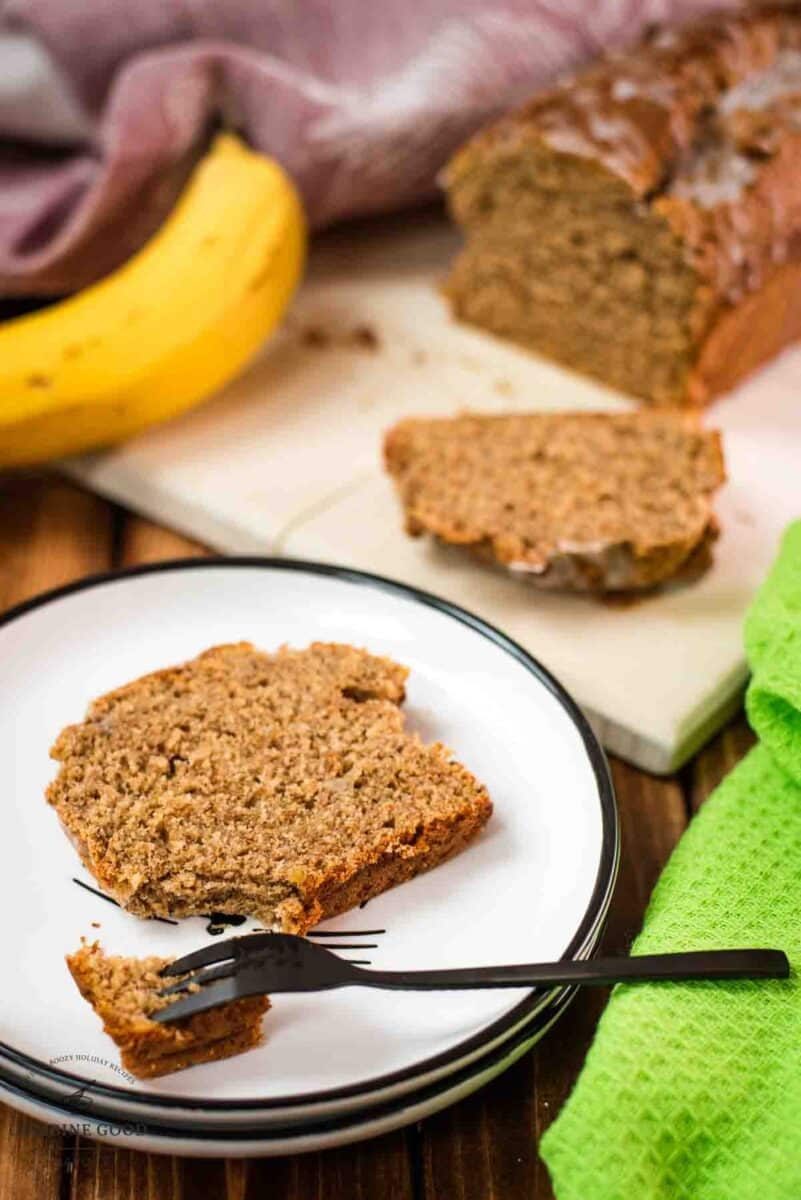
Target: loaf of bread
641,222
579,501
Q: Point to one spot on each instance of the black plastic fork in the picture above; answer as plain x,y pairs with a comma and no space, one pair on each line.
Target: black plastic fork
267,963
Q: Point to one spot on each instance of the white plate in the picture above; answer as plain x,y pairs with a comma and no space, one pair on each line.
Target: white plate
534,886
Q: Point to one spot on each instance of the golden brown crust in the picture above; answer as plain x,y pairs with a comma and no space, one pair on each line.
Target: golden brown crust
124,994
438,841
576,501
701,128
744,336
258,784
166,1064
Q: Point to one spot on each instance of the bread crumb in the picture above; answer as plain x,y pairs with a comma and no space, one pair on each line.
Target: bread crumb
315,337
366,337
362,336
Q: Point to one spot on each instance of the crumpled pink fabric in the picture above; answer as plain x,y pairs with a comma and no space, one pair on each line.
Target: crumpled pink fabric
361,100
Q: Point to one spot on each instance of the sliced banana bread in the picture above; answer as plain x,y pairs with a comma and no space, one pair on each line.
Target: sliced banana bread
576,500
124,994
641,222
280,786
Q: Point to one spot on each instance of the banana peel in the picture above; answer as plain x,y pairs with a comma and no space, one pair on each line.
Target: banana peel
168,328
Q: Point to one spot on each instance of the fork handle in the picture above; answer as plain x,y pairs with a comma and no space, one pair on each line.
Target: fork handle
641,968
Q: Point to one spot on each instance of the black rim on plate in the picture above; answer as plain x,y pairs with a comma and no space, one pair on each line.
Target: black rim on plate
582,941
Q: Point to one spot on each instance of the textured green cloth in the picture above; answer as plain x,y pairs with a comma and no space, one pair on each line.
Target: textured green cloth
693,1091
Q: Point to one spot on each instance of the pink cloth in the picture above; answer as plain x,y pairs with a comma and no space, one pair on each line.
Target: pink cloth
361,100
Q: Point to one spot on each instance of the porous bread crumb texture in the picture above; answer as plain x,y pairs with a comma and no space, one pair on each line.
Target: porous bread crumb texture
583,501
283,787
618,222
124,994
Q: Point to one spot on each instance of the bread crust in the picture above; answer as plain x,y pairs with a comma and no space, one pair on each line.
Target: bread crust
745,336
649,120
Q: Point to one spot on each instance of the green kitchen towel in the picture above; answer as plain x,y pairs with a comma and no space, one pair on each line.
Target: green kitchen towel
693,1091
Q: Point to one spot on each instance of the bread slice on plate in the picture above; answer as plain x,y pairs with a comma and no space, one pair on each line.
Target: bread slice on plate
280,786
575,500
124,994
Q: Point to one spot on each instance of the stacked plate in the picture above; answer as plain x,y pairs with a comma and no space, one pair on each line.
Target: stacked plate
336,1066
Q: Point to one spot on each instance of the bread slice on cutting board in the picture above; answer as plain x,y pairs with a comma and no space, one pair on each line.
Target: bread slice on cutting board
578,500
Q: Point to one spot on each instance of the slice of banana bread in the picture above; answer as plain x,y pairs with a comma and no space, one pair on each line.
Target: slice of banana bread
124,994
280,786
576,500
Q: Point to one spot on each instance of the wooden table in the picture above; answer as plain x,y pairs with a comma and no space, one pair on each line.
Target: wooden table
484,1148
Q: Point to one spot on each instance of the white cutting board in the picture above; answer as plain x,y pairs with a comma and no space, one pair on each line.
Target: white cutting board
287,461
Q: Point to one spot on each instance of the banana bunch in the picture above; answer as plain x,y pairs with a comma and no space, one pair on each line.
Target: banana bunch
165,330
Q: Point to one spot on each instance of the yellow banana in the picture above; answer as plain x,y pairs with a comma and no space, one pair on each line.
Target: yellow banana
165,330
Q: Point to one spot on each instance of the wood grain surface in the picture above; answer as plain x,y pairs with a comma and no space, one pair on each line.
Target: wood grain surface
484,1148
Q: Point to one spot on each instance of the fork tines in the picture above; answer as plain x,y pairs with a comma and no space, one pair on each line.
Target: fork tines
232,950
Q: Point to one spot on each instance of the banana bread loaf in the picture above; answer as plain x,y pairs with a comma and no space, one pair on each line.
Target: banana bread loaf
282,786
580,501
641,222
